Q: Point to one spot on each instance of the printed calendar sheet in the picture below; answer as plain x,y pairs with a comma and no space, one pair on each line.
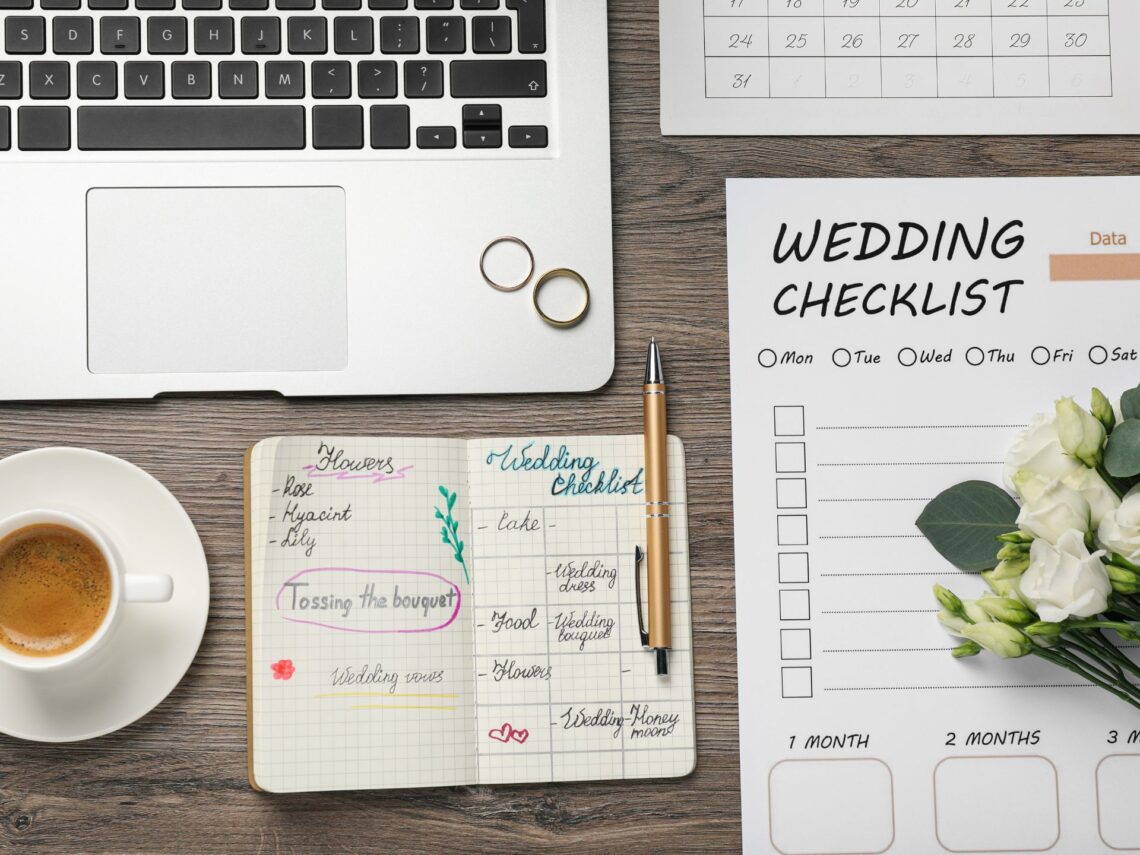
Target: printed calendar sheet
891,338
820,67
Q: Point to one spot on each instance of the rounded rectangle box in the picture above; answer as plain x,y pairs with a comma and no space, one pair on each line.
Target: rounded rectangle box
1118,820
831,807
997,804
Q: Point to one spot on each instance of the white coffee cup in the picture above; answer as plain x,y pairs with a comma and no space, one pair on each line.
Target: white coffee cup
125,588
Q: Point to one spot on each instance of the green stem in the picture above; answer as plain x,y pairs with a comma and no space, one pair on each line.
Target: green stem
1110,481
1056,659
1114,653
1107,664
1096,666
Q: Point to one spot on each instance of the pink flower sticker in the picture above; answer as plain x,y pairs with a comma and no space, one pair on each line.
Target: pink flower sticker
283,670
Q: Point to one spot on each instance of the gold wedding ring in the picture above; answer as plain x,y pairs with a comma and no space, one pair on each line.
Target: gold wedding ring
492,245
563,272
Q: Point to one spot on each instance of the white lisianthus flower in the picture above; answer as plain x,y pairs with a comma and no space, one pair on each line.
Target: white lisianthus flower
1000,639
1065,581
1119,531
1102,500
1050,508
1037,449
1080,434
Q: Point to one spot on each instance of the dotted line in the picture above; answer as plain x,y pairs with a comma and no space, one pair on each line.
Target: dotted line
875,500
871,536
882,612
924,573
913,427
923,463
891,650
939,688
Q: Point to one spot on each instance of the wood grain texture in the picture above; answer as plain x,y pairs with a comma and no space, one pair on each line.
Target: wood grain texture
175,782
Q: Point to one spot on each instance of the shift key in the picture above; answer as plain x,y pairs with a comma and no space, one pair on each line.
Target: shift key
498,78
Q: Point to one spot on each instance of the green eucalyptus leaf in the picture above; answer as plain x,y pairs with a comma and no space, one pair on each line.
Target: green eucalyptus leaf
1130,404
1122,454
964,522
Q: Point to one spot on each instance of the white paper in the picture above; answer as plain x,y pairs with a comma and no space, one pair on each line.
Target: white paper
859,732
756,67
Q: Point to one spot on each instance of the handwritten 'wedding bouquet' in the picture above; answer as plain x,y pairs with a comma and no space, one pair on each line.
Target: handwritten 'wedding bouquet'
1063,564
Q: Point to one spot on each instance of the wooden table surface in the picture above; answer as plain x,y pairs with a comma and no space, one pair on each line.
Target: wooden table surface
175,782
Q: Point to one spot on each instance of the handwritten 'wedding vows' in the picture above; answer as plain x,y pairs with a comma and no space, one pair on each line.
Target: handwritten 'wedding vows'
441,612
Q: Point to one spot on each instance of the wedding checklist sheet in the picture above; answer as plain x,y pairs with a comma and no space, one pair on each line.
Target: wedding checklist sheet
439,612
900,66
889,338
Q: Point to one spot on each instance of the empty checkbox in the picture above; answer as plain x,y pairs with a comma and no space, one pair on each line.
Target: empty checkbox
791,492
788,421
795,605
791,530
795,644
793,568
796,682
791,457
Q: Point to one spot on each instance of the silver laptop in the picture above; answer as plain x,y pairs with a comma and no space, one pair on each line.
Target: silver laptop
303,196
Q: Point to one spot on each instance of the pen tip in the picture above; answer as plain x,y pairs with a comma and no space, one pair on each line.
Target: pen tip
653,372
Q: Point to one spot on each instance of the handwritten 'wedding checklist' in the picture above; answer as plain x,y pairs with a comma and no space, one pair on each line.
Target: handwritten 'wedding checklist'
900,66
444,612
889,338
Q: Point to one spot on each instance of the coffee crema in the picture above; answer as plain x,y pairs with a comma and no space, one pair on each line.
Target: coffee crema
55,590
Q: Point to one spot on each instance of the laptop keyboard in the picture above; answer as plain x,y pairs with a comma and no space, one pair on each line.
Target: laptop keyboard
408,77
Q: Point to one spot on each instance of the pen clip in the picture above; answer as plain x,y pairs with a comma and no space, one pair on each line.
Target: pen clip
638,558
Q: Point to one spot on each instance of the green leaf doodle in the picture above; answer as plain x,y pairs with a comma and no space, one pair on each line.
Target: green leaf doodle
450,529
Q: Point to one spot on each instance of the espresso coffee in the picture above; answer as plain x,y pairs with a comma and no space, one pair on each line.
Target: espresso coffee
55,590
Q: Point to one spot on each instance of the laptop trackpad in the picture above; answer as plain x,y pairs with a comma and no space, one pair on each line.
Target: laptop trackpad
217,279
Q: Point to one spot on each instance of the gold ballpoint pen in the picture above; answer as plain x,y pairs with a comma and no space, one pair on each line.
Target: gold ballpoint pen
660,635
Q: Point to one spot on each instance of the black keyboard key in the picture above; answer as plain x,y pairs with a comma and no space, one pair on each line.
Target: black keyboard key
249,5
284,80
308,35
44,128
166,35
485,138
5,128
15,4
261,35
331,79
435,4
73,35
160,127
346,5
107,5
154,5
399,35
97,80
391,126
528,136
237,80
384,5
296,4
353,35
376,79
433,137
498,78
478,4
338,127
532,24
491,34
49,80
144,80
202,5
423,78
190,80
119,35
446,34
214,35
11,80
24,35
482,116
54,4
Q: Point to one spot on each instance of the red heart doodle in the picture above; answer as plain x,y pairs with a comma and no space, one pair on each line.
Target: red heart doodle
502,734
520,736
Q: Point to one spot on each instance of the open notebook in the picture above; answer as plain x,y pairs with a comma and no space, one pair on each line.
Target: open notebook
434,612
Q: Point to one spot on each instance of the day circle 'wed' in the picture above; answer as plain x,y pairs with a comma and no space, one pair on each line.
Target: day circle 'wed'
907,357
1040,355
1098,355
841,357
975,356
766,357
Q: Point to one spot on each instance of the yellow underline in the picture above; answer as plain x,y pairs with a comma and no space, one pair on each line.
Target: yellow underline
401,707
380,695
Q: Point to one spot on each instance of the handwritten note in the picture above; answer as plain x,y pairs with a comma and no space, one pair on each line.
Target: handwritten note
453,612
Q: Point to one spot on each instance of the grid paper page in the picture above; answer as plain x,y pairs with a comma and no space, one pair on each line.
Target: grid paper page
566,692
361,638
900,66
865,381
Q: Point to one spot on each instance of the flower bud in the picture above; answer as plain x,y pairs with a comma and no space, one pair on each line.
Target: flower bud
1001,639
954,624
1013,612
966,649
1016,537
1001,587
1012,568
1082,436
1102,409
1013,551
1044,633
948,600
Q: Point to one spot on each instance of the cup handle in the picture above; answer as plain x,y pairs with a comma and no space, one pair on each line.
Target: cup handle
147,589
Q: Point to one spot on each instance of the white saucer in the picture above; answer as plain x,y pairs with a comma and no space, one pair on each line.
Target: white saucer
154,644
